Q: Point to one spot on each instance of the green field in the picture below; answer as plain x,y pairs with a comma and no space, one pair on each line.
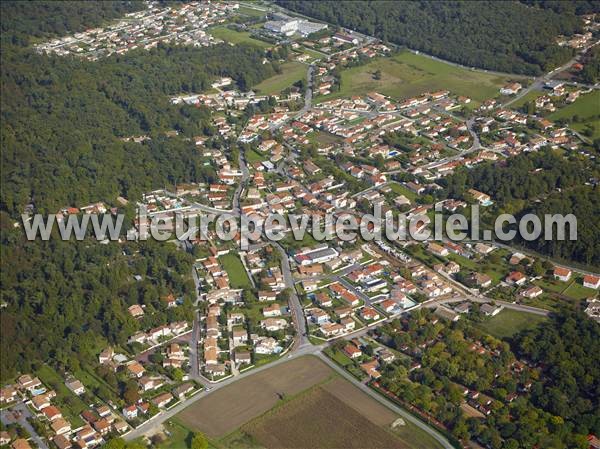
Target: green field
290,73
509,322
587,107
69,403
238,277
247,11
236,37
406,75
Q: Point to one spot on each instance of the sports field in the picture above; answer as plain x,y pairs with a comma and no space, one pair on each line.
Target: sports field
407,74
290,73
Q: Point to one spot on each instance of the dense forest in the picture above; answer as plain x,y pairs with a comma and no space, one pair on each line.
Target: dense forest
63,124
504,36
566,347
65,301
63,118
22,21
540,183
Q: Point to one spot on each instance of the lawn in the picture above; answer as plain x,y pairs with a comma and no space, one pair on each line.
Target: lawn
236,271
290,73
236,37
509,322
407,74
70,404
247,11
587,107
253,156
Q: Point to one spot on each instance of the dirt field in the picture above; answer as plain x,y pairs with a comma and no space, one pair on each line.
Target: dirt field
227,409
319,419
359,401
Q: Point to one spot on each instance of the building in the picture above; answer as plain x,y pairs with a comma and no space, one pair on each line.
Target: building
532,292
562,274
591,281
490,310
511,89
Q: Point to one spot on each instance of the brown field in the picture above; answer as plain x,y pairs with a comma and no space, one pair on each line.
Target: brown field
319,419
359,401
227,409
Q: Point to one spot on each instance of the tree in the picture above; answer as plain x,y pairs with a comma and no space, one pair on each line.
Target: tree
199,441
377,74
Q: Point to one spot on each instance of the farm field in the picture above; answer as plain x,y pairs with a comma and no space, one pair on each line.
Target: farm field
587,107
291,72
237,274
236,37
229,408
509,322
333,415
406,75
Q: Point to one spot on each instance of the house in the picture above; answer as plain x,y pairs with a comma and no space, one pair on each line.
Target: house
562,274
532,292
120,426
240,336
183,389
75,386
371,369
352,351
102,426
319,316
265,295
52,413
130,412
162,400
310,285
21,443
136,311
348,323
243,357
8,394
490,310
480,197
447,314
135,369
511,89
323,300
40,402
481,280
271,311
60,426
267,345
273,324
61,442
4,438
463,307
331,329
437,250
106,355
591,281
368,313
516,278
